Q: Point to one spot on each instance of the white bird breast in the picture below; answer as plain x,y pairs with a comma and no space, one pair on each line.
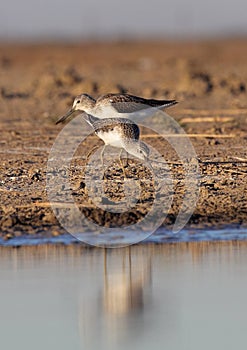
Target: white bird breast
108,112
112,137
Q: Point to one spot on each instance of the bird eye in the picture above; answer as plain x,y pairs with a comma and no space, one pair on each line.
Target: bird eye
78,101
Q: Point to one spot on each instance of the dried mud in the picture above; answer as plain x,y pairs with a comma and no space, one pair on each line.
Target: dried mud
38,84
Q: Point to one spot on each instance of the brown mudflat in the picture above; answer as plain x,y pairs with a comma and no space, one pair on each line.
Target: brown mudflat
38,84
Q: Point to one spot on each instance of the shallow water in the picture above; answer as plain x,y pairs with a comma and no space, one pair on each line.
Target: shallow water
169,296
160,236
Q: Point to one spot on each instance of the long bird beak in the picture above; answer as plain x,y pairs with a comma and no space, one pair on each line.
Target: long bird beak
64,117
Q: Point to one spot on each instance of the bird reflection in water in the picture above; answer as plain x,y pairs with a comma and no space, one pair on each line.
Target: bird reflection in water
126,295
116,308
124,288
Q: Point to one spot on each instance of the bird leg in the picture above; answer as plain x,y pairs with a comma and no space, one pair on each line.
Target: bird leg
127,159
102,154
121,163
149,163
102,159
90,152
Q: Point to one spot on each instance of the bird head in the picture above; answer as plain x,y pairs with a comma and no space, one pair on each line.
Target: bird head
141,150
83,103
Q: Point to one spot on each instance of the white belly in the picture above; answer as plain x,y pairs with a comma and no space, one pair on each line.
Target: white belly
112,138
108,112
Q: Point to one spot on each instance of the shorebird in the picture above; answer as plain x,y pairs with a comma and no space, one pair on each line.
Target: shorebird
121,133
118,132
114,105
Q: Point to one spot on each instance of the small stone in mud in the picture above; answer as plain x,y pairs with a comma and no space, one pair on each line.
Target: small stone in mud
122,89
206,79
74,75
11,95
55,233
6,62
82,185
213,142
8,236
36,176
242,87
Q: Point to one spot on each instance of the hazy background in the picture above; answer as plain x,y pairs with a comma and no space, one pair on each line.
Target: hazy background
112,19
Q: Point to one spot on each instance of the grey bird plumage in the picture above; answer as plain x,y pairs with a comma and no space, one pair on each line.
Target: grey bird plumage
114,105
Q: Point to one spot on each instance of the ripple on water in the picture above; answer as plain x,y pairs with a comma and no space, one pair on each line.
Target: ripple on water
160,236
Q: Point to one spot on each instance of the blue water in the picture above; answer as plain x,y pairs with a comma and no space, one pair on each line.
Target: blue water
160,236
148,296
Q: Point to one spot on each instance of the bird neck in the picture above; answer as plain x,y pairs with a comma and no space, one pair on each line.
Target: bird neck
90,119
89,105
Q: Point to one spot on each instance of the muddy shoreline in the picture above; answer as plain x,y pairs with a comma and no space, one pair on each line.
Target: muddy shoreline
38,84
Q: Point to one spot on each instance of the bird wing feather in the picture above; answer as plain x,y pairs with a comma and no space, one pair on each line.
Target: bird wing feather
125,103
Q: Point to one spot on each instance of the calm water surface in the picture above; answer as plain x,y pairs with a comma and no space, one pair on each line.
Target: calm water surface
170,296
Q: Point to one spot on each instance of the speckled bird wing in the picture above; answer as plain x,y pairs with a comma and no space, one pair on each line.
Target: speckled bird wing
124,103
125,126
